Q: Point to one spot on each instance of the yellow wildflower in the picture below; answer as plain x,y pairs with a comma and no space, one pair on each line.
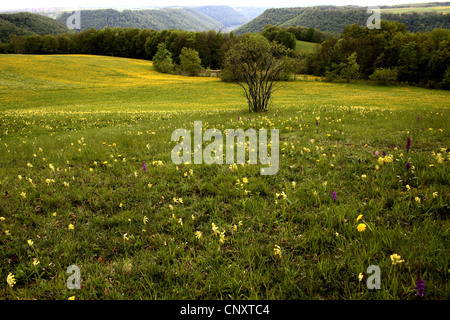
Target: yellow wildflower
396,258
11,280
277,250
361,227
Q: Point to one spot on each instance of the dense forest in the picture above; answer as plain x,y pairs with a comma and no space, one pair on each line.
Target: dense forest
387,55
25,23
334,19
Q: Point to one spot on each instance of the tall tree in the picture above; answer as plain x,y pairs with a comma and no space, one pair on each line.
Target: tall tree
162,61
190,61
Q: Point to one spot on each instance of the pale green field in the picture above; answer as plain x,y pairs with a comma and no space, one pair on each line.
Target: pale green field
438,9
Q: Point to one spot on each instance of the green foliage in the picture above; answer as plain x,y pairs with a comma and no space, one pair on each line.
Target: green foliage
419,58
190,62
281,36
384,75
256,64
162,61
350,68
25,23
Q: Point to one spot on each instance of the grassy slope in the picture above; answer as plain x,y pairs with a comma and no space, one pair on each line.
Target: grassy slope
80,128
304,45
439,9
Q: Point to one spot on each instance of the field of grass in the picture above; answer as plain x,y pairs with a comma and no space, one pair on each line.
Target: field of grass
305,46
437,9
86,179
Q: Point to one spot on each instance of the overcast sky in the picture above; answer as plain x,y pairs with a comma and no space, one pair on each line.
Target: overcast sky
21,4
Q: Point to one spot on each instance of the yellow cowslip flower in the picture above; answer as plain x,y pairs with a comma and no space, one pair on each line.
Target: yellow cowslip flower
408,187
417,199
277,250
11,280
23,195
30,242
435,194
381,161
360,276
71,226
180,221
222,237
359,217
125,237
29,165
198,234
35,261
293,184
215,228
2,218
51,167
395,258
361,227
244,180
377,167
363,176
389,158
71,298
315,194
170,207
145,219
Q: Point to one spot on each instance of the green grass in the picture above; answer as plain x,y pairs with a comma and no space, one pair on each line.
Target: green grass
82,135
305,46
437,9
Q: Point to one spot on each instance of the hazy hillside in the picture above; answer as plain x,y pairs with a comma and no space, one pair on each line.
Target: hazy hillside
334,19
227,16
25,23
185,18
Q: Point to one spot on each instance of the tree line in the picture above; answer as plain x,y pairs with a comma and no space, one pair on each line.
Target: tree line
123,42
386,55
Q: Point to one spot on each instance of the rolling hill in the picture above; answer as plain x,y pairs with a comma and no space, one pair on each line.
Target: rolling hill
25,23
334,19
185,18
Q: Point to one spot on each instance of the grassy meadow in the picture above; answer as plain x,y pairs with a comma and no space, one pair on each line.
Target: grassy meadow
437,9
305,46
86,179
